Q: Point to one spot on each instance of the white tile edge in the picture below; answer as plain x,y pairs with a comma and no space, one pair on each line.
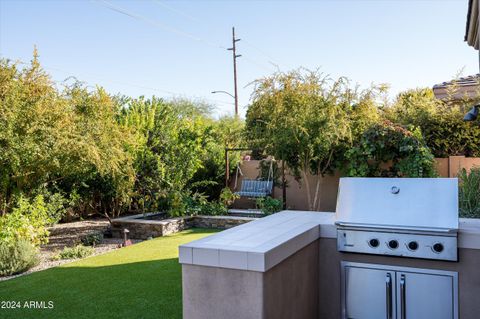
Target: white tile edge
185,255
255,261
288,248
233,259
205,257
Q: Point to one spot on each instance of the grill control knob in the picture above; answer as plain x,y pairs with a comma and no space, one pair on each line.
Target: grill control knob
374,242
438,248
413,245
393,244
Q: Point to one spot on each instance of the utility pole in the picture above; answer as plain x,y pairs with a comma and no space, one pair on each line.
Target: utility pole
235,56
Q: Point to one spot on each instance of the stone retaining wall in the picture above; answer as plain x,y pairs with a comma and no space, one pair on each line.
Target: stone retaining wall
222,222
140,228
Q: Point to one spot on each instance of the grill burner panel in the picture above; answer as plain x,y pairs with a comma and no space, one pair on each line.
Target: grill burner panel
398,244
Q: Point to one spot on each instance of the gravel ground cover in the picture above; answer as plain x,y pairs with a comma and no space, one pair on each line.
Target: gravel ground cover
68,235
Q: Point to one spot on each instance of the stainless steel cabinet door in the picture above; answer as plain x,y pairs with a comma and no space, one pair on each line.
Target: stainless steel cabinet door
421,296
368,293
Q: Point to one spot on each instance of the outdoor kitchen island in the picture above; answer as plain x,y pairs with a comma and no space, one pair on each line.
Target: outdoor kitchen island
287,265
267,268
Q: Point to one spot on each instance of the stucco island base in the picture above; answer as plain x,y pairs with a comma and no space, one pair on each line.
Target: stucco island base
288,290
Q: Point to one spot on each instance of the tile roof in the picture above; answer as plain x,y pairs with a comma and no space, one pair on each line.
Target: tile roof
466,87
468,80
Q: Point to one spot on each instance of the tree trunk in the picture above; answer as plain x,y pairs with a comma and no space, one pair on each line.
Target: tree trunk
307,186
316,199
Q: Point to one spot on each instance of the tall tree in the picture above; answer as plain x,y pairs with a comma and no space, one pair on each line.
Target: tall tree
301,117
66,138
173,138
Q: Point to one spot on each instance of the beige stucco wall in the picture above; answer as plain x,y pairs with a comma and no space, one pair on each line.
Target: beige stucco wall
296,192
288,290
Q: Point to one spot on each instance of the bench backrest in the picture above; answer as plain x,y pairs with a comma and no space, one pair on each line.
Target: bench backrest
256,186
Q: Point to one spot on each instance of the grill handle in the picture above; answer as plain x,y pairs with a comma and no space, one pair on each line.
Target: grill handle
388,300
403,306
392,228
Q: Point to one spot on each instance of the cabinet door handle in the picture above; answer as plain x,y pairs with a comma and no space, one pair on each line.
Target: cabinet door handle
403,306
388,300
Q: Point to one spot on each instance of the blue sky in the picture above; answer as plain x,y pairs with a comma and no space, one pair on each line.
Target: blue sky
176,48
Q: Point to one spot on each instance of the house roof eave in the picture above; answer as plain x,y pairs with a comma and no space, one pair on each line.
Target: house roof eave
471,30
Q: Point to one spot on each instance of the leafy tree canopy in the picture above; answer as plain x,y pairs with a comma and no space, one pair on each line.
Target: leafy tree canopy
305,118
51,137
441,124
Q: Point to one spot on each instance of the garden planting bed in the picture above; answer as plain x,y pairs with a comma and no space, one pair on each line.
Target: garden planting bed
140,227
68,235
144,226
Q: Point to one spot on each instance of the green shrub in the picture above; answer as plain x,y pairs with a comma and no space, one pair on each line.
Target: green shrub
75,252
469,193
28,221
55,204
177,204
187,204
194,203
92,239
17,257
213,208
390,150
441,124
227,197
70,136
269,205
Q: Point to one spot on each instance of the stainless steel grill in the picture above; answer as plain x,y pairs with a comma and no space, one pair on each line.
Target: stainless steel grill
411,217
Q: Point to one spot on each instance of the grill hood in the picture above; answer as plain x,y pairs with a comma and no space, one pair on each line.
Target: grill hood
424,204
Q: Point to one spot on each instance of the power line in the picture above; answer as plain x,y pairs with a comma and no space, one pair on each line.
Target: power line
190,36
258,64
156,23
173,94
115,82
100,78
270,59
166,27
172,9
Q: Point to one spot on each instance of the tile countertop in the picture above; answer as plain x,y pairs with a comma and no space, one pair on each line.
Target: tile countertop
258,245
261,244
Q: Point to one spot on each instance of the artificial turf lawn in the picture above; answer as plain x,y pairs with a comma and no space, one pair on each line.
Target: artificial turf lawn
139,281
